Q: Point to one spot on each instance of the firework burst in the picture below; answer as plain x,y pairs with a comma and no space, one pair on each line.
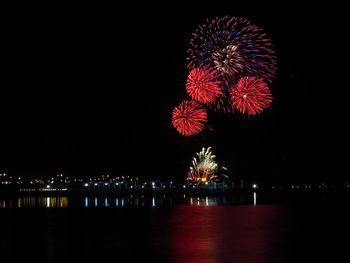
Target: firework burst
234,47
251,95
204,167
202,85
189,118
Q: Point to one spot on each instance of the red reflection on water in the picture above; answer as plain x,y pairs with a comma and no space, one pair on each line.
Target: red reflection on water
193,237
227,234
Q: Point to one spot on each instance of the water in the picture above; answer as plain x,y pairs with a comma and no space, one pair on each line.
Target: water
121,201
167,229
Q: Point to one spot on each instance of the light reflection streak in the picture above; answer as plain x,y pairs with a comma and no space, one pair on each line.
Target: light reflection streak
254,198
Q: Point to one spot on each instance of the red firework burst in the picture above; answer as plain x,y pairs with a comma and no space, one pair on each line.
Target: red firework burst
202,85
189,118
251,95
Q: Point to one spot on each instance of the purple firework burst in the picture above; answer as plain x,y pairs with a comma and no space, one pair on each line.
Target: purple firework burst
234,47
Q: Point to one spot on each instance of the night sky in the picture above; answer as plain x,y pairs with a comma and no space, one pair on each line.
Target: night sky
89,90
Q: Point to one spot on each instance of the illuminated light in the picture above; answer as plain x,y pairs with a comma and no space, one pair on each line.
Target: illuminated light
206,183
86,184
96,184
106,184
96,203
153,202
203,179
48,186
254,186
117,184
131,187
206,201
86,202
184,186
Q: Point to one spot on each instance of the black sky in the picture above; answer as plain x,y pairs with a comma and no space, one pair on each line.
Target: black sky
90,89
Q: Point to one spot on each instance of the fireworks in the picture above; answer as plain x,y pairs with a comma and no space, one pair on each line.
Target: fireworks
189,118
251,95
234,47
204,168
202,85
230,62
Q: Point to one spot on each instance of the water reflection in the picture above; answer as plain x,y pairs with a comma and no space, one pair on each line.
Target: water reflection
223,234
33,202
125,201
254,198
